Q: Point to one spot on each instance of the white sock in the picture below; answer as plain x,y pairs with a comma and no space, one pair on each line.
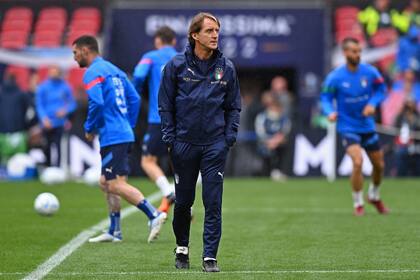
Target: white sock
164,186
357,199
373,192
209,259
181,250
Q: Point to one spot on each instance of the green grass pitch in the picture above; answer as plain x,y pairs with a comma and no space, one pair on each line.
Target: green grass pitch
301,229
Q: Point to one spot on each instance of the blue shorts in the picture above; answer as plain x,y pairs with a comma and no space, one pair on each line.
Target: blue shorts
152,142
115,160
368,141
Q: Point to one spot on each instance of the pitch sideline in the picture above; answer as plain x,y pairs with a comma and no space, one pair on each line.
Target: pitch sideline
56,259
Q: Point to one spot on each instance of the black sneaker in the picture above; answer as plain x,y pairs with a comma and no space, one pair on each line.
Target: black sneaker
210,266
182,260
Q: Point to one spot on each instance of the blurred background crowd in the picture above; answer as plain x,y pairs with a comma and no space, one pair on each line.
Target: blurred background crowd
282,52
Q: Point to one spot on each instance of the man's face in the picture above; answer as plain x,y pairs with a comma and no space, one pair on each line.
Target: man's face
352,53
208,36
80,55
54,72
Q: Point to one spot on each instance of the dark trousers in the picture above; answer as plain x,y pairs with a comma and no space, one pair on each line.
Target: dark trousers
53,137
188,160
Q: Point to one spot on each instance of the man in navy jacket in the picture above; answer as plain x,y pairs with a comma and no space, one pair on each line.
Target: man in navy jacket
199,105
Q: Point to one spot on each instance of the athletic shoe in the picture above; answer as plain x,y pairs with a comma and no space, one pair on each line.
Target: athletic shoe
210,266
379,205
106,237
155,226
359,211
165,204
182,260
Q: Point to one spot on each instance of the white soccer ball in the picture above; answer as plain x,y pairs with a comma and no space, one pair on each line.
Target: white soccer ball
46,204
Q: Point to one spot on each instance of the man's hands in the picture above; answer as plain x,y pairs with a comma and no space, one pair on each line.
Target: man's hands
89,136
47,123
369,110
332,117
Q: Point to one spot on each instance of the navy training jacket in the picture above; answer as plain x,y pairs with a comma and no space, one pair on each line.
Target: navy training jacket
199,108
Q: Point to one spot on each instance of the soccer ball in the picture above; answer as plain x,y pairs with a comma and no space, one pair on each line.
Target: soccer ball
46,204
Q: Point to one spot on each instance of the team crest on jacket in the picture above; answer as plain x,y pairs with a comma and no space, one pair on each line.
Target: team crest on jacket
218,73
363,82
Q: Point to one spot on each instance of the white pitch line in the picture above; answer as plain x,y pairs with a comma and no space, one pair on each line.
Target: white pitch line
176,272
66,250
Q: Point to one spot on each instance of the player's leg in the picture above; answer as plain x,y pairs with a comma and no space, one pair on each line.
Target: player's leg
377,159
114,207
150,165
186,162
153,148
356,179
115,168
212,169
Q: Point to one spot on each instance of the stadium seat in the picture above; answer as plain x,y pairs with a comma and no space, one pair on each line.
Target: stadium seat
87,13
346,12
22,75
19,13
16,25
13,39
53,13
85,24
75,78
73,35
57,25
383,37
47,39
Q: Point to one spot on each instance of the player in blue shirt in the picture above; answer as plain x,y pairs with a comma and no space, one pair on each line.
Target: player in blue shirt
54,103
150,69
357,89
113,106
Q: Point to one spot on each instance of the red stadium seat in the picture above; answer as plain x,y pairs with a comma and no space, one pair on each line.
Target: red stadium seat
87,13
19,13
91,25
16,25
383,37
22,75
76,34
346,12
57,25
53,13
47,39
75,78
13,39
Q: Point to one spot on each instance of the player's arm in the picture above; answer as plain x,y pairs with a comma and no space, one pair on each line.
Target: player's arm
232,107
141,71
378,93
166,101
94,117
133,102
327,96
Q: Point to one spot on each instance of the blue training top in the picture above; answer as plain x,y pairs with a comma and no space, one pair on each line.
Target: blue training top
51,96
151,66
113,103
352,92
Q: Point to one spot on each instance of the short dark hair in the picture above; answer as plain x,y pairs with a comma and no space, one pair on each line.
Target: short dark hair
197,23
87,41
166,34
347,41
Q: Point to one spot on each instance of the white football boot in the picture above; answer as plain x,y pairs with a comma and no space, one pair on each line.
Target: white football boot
106,237
155,226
